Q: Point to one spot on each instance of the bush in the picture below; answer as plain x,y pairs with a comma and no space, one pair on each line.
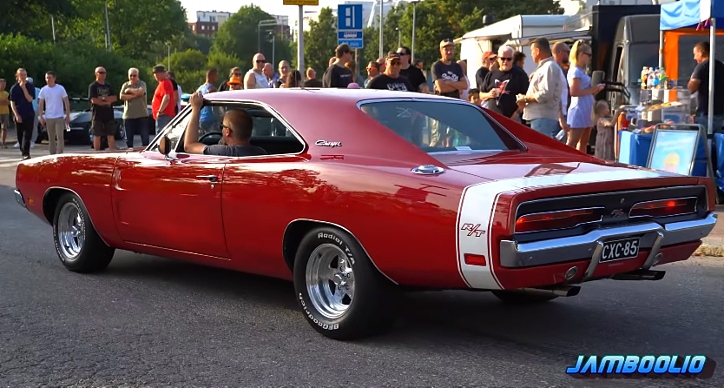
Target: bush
73,63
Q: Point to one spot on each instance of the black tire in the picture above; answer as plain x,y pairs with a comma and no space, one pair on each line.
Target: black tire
92,253
522,297
372,308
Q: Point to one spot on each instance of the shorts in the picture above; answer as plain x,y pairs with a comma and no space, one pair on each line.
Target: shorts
4,120
103,128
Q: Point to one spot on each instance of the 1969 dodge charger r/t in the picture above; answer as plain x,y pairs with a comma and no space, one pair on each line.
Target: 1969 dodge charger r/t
365,193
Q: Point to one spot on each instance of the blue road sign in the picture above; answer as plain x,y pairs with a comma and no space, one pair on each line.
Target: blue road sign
350,25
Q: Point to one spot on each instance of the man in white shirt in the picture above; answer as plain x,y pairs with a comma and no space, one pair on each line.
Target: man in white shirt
51,102
542,102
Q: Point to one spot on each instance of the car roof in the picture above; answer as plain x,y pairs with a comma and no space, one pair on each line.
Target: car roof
332,115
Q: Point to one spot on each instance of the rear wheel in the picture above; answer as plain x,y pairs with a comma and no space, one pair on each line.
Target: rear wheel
522,297
341,293
77,243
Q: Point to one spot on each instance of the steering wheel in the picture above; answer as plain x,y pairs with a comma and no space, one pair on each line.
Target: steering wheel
211,138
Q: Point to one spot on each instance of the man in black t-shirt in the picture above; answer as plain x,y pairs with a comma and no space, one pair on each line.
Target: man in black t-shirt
413,74
338,76
447,75
236,129
699,83
502,85
102,95
391,78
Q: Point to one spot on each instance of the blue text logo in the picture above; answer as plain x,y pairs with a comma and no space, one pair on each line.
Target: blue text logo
642,366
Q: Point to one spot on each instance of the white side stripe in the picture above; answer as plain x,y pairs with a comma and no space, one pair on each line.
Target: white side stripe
479,201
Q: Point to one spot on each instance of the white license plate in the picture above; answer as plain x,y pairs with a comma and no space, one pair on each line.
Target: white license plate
627,248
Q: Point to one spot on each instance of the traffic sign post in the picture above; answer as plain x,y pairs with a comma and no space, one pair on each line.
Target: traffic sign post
350,25
300,29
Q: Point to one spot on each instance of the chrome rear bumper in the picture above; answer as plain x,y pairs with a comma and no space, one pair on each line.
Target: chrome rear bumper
19,198
653,237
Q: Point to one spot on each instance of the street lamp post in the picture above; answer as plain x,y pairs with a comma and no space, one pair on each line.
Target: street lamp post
399,36
414,13
273,39
168,45
263,23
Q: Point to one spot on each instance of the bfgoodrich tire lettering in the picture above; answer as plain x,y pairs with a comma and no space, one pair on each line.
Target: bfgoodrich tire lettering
77,243
353,300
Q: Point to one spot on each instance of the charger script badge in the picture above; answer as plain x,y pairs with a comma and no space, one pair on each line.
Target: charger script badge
324,143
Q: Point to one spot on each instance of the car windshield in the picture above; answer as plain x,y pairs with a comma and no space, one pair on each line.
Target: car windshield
440,126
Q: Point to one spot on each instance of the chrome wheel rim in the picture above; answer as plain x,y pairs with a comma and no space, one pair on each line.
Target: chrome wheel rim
71,231
330,281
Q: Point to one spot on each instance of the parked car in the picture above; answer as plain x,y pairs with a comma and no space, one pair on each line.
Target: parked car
366,193
80,124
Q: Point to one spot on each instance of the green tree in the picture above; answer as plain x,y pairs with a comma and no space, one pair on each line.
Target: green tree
320,41
241,37
31,18
371,50
223,63
133,28
441,19
73,63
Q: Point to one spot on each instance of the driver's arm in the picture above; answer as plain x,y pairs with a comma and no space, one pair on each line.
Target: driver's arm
191,138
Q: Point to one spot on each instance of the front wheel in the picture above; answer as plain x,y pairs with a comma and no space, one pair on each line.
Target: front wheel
341,293
77,243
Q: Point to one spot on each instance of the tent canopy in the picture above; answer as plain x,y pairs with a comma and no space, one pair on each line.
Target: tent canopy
689,13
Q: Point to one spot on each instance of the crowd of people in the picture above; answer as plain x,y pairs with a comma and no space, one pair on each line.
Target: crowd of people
557,99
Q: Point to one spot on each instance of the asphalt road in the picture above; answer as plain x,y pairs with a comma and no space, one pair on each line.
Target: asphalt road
150,321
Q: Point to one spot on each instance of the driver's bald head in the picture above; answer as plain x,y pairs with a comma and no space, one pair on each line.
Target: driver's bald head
241,124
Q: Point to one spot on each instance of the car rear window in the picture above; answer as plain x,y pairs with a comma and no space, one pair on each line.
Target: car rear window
440,126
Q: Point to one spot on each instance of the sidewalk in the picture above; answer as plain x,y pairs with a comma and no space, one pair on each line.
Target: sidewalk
713,244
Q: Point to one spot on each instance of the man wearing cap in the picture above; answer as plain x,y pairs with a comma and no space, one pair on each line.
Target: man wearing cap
412,73
373,70
391,79
235,83
163,105
337,75
447,75
489,58
102,95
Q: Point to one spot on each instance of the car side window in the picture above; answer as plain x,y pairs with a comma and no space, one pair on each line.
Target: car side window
269,131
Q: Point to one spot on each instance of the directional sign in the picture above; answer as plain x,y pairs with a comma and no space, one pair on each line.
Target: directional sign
349,35
301,2
350,25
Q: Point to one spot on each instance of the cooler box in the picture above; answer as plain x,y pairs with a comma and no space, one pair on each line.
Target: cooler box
634,148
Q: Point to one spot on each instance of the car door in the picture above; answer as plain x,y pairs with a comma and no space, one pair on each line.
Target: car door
260,195
172,203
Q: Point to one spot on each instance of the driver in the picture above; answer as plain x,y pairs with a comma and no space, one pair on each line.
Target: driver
236,130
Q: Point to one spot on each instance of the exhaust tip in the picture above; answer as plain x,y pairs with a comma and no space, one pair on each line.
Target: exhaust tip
570,291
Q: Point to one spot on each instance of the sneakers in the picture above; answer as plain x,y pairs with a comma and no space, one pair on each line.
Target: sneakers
17,145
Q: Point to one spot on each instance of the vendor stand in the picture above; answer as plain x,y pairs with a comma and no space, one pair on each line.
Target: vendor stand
645,130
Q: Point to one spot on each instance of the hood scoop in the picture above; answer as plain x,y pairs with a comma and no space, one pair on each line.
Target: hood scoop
428,169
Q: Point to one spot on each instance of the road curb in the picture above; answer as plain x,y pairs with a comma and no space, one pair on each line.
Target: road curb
710,250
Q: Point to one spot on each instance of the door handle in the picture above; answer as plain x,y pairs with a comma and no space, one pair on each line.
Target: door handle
210,178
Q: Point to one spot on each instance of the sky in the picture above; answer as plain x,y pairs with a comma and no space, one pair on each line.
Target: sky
273,7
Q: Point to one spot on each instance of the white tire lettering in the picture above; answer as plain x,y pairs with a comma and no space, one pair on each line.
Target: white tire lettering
324,326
